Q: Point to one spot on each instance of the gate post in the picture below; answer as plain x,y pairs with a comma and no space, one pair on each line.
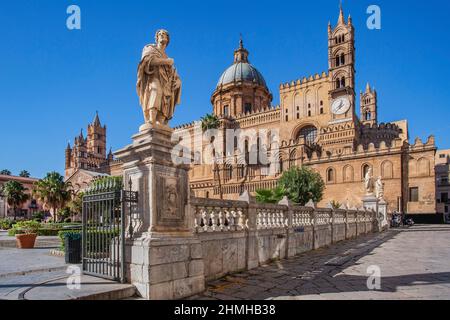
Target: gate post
164,259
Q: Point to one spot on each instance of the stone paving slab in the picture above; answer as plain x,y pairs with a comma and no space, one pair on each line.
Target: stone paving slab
36,275
53,286
414,265
18,261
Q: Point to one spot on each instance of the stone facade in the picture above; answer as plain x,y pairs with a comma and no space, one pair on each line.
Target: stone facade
316,125
89,154
443,183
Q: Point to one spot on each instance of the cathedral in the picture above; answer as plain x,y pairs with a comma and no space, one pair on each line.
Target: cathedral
319,123
87,159
317,126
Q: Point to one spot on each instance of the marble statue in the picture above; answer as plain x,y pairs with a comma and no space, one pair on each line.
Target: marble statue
158,85
379,188
368,182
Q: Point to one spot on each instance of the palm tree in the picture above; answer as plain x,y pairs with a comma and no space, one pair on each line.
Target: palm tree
15,194
210,122
24,174
5,172
53,192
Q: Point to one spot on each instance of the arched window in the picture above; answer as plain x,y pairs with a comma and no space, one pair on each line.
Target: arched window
330,176
342,59
309,133
368,116
342,82
337,61
280,165
292,159
228,172
338,83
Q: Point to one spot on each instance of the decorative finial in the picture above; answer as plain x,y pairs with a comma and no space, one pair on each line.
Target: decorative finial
241,41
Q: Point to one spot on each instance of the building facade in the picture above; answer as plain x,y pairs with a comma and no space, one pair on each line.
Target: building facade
316,125
443,183
29,207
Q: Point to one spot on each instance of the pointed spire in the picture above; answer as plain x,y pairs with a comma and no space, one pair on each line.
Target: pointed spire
341,19
350,20
96,121
81,134
368,88
68,146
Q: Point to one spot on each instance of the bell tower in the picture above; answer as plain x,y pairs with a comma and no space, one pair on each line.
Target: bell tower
341,61
96,139
368,101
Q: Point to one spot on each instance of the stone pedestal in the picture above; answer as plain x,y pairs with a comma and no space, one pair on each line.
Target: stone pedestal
370,202
163,254
382,214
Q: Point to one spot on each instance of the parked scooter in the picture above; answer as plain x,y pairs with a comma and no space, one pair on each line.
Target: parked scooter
409,222
396,221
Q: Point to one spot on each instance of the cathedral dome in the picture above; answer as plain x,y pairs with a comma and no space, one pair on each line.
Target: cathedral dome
241,70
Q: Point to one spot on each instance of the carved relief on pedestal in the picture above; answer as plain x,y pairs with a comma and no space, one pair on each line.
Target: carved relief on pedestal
171,195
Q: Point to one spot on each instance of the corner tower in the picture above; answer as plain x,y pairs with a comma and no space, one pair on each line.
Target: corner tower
241,88
369,112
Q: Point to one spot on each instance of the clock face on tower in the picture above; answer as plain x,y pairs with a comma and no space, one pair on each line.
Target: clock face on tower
340,106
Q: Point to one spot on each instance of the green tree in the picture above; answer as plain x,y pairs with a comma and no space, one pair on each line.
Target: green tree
302,184
15,195
299,184
270,196
24,174
76,204
211,122
107,184
54,192
5,172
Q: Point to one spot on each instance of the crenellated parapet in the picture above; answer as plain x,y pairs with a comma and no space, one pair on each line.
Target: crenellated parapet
304,82
419,145
361,150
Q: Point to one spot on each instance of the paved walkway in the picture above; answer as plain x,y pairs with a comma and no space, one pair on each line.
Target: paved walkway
414,264
36,275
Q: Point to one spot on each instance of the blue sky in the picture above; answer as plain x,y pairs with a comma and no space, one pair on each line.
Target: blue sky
53,80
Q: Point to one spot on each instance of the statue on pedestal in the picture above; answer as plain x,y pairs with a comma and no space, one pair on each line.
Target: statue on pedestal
158,85
379,188
369,183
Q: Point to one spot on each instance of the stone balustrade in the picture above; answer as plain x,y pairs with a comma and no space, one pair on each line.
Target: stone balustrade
241,235
218,216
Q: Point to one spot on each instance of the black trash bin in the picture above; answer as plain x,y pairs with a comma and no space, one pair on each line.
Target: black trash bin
73,249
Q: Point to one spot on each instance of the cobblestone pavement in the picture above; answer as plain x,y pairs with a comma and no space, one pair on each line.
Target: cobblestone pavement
414,264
